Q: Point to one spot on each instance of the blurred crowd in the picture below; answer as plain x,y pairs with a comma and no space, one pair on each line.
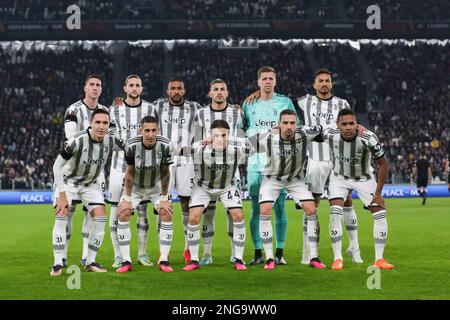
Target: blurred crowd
37,87
411,113
53,10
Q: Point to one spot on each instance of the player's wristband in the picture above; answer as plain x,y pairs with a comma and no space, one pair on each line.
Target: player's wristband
126,198
164,197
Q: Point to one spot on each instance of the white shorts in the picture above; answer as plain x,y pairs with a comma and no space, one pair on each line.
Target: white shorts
182,179
340,187
145,195
91,195
201,197
317,173
116,183
271,188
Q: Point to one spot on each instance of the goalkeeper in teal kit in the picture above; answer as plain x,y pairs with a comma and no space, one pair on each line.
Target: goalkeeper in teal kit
259,117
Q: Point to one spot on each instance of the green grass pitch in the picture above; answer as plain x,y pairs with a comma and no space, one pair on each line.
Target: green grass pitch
418,246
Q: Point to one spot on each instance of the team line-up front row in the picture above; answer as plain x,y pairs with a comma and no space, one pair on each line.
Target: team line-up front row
155,141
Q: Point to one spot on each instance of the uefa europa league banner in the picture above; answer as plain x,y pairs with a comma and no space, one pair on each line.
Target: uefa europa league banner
389,191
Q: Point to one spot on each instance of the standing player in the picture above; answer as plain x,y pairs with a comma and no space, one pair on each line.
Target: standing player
77,170
126,120
259,117
423,175
77,118
286,154
176,122
218,109
323,109
215,169
352,156
147,178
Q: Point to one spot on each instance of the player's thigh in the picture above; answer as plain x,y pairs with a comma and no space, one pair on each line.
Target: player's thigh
301,195
268,193
231,199
338,189
365,190
92,198
116,180
184,179
317,173
199,198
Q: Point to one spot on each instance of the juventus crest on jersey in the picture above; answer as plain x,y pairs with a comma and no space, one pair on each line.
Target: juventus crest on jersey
86,157
147,161
324,112
80,114
126,121
177,122
352,159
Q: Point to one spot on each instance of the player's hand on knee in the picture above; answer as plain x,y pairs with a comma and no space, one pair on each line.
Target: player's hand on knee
124,207
377,201
62,207
166,206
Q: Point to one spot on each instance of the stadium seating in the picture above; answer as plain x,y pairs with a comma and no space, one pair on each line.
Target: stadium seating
409,113
37,87
52,10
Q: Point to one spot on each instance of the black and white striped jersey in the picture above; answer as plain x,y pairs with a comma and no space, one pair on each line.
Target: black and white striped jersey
321,112
86,157
177,122
285,158
215,169
205,117
126,121
147,161
79,114
352,159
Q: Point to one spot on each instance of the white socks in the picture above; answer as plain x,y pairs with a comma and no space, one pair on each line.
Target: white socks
142,229
266,233
351,224
59,239
380,232
193,240
124,237
165,240
96,238
313,235
336,231
239,236
113,222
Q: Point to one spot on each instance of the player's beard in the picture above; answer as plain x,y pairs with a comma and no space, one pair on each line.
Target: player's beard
134,96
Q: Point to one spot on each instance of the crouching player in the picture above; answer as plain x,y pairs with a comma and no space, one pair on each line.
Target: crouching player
215,167
77,178
147,176
352,156
286,155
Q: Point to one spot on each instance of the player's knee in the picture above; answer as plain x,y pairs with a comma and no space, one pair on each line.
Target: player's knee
164,216
310,209
266,208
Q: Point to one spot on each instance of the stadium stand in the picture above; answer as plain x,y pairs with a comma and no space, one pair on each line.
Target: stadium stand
37,87
52,10
409,113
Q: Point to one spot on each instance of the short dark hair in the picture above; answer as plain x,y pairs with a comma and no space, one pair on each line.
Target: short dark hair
218,80
221,124
287,112
149,119
322,70
266,69
93,76
99,111
176,79
132,76
423,154
345,112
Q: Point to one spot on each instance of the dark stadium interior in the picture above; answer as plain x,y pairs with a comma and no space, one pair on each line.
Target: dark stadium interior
399,91
45,10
